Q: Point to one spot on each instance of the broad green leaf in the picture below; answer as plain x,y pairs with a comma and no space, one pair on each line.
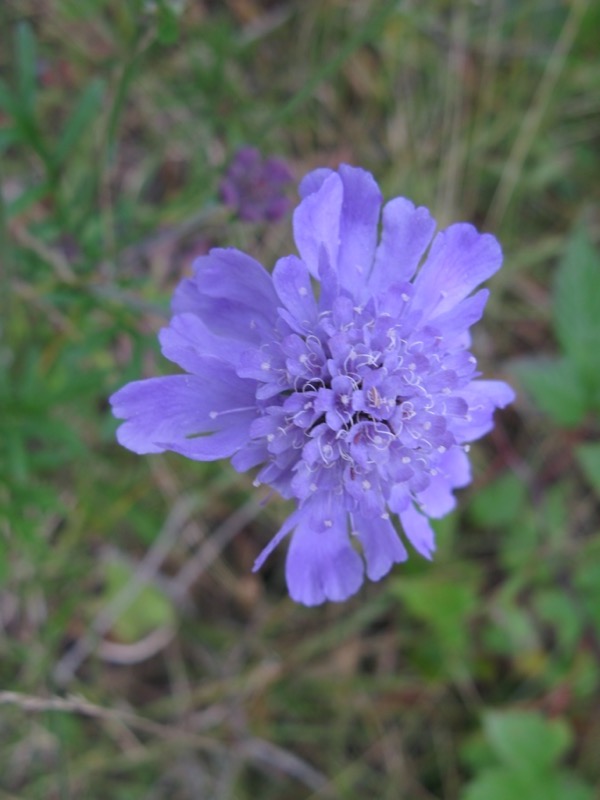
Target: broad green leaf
149,610
577,308
588,456
526,741
500,783
446,604
500,503
556,387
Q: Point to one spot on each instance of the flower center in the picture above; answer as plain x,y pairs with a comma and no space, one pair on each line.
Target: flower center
359,403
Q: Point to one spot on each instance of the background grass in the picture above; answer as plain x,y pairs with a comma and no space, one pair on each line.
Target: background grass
139,656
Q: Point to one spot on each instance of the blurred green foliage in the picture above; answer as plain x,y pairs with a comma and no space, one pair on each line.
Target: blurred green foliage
139,655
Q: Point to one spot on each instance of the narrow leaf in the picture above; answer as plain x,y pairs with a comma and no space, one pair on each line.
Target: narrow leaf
577,308
26,68
85,112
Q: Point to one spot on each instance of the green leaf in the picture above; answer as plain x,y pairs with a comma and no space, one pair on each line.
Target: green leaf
559,610
526,741
501,784
505,784
86,110
588,456
577,308
149,610
168,23
445,603
7,100
500,503
26,68
556,387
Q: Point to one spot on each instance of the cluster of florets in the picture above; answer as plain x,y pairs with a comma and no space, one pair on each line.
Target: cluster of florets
256,188
345,375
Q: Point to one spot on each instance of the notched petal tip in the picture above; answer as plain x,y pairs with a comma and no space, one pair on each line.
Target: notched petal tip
321,563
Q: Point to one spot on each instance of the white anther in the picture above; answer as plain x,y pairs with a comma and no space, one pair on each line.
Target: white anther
427,426
270,437
313,487
213,414
265,366
385,515
441,449
328,523
366,485
303,291
406,460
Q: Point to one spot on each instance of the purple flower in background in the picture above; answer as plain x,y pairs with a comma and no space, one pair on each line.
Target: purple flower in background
255,188
345,375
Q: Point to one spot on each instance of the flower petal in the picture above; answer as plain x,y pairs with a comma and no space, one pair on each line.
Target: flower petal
382,547
358,228
406,234
321,563
161,413
187,340
287,526
292,283
232,293
437,499
483,397
455,322
313,181
317,223
211,447
418,531
459,260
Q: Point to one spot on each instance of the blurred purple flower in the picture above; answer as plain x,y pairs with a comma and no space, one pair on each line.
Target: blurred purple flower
358,400
255,188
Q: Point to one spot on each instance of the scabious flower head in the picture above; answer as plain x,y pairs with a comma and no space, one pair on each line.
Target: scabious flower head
345,376
255,188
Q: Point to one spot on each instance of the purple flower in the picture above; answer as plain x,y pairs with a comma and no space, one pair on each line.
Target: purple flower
345,375
255,188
